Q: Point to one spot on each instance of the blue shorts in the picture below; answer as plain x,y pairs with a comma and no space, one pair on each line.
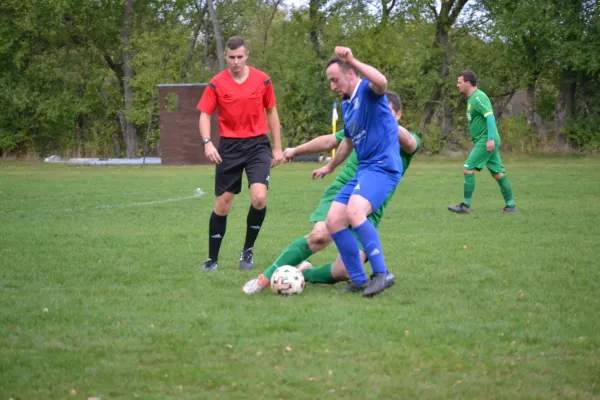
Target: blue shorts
374,184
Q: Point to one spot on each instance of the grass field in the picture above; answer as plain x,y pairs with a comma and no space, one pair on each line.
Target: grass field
101,292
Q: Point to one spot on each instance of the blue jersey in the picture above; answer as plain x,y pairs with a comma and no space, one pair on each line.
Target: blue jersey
373,129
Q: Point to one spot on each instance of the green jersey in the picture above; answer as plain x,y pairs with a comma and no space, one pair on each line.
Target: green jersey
478,108
351,165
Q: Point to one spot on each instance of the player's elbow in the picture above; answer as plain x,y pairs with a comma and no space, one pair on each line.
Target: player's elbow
383,85
331,143
411,147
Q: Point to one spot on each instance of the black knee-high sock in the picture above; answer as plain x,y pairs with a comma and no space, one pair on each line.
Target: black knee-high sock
254,220
216,232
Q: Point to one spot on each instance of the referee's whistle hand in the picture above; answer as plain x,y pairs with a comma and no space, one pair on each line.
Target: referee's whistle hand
212,154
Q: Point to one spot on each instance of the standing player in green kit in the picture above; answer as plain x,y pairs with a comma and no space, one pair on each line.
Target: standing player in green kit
486,150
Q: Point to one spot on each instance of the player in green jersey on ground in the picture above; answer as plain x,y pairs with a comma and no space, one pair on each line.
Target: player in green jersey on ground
336,272
319,238
486,150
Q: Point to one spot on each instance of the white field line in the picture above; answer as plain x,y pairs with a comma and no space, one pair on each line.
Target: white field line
82,196
198,193
150,203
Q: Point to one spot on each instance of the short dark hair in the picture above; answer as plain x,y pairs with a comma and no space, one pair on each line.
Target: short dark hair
343,66
235,42
395,99
469,76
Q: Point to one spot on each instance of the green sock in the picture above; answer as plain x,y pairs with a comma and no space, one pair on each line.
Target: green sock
294,254
506,190
320,274
469,189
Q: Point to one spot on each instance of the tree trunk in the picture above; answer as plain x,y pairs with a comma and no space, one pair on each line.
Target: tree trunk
386,10
447,121
430,108
217,32
313,17
500,105
530,112
197,27
116,139
266,35
79,136
129,132
204,53
448,14
565,105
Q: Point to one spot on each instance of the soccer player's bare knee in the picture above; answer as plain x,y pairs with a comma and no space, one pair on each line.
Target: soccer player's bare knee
319,238
337,218
258,195
468,172
223,203
498,176
358,210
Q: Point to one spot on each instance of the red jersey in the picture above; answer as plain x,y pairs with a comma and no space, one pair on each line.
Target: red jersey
241,106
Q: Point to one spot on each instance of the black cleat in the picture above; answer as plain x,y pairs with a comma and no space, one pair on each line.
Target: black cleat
390,280
378,283
508,209
210,266
352,287
462,208
247,259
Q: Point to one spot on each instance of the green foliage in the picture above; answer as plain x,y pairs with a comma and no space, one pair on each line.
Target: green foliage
583,133
545,101
61,61
432,141
516,134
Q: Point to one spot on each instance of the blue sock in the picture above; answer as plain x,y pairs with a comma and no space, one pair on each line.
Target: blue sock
350,252
370,241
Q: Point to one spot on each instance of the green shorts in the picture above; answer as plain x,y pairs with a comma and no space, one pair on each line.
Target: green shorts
320,214
480,158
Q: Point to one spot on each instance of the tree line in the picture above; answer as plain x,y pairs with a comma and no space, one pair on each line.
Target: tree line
79,76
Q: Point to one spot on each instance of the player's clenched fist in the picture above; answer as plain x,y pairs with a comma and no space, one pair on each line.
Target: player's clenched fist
277,157
344,54
289,154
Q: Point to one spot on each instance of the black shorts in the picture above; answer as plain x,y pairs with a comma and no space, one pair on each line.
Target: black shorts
251,154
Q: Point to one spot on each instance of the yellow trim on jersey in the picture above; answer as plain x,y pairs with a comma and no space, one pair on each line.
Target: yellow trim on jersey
487,113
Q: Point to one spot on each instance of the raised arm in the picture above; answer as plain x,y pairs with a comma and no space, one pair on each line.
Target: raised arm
377,80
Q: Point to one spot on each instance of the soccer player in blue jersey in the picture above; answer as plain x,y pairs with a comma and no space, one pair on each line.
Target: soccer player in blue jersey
371,130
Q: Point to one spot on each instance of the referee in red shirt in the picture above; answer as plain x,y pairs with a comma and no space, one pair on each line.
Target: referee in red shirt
241,94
